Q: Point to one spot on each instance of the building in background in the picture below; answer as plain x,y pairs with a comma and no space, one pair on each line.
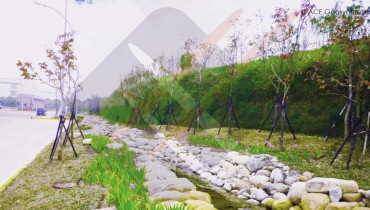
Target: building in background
9,87
29,102
12,87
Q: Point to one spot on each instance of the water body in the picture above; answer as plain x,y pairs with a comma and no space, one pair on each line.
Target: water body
219,200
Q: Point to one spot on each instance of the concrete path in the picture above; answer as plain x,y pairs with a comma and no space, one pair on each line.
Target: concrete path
21,140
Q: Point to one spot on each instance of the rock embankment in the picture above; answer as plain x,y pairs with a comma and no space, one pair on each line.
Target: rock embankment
258,179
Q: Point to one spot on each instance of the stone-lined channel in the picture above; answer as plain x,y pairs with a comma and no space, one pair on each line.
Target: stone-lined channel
220,200
255,180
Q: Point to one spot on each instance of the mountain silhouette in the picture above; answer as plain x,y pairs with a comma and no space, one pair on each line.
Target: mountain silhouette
164,31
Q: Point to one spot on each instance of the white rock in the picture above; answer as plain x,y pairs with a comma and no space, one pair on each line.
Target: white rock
211,178
277,176
264,172
278,196
253,202
205,175
218,182
222,175
114,146
280,187
290,180
286,168
227,166
159,136
308,174
296,191
195,150
241,197
227,186
256,162
215,169
235,158
196,165
258,194
200,171
258,179
86,141
335,194
322,185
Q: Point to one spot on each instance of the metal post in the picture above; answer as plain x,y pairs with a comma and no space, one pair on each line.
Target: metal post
367,133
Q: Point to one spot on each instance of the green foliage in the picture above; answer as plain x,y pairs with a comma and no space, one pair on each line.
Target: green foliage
216,142
85,127
309,108
116,170
99,142
296,155
186,61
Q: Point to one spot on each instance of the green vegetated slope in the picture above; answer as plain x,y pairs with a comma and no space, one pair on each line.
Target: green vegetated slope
310,109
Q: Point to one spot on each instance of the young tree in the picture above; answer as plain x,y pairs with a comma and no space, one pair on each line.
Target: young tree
348,36
285,42
59,71
201,54
230,57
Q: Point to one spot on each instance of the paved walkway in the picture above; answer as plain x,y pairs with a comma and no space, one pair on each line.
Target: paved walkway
21,140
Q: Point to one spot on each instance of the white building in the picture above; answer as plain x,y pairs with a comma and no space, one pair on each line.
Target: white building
14,86
9,87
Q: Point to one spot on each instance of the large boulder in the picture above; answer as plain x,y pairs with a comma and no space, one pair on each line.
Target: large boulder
352,197
282,204
296,191
315,201
168,195
198,205
256,162
323,185
173,184
159,175
342,206
196,195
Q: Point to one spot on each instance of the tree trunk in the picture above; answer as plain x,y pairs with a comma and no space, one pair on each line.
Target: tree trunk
62,104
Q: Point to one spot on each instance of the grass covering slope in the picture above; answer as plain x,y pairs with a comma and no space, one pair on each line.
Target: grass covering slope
310,110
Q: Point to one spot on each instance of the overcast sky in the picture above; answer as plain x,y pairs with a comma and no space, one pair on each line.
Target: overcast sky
27,29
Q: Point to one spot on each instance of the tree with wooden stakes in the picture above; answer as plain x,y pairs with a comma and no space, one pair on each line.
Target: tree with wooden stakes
154,84
142,86
59,71
349,38
201,54
172,69
282,56
229,57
